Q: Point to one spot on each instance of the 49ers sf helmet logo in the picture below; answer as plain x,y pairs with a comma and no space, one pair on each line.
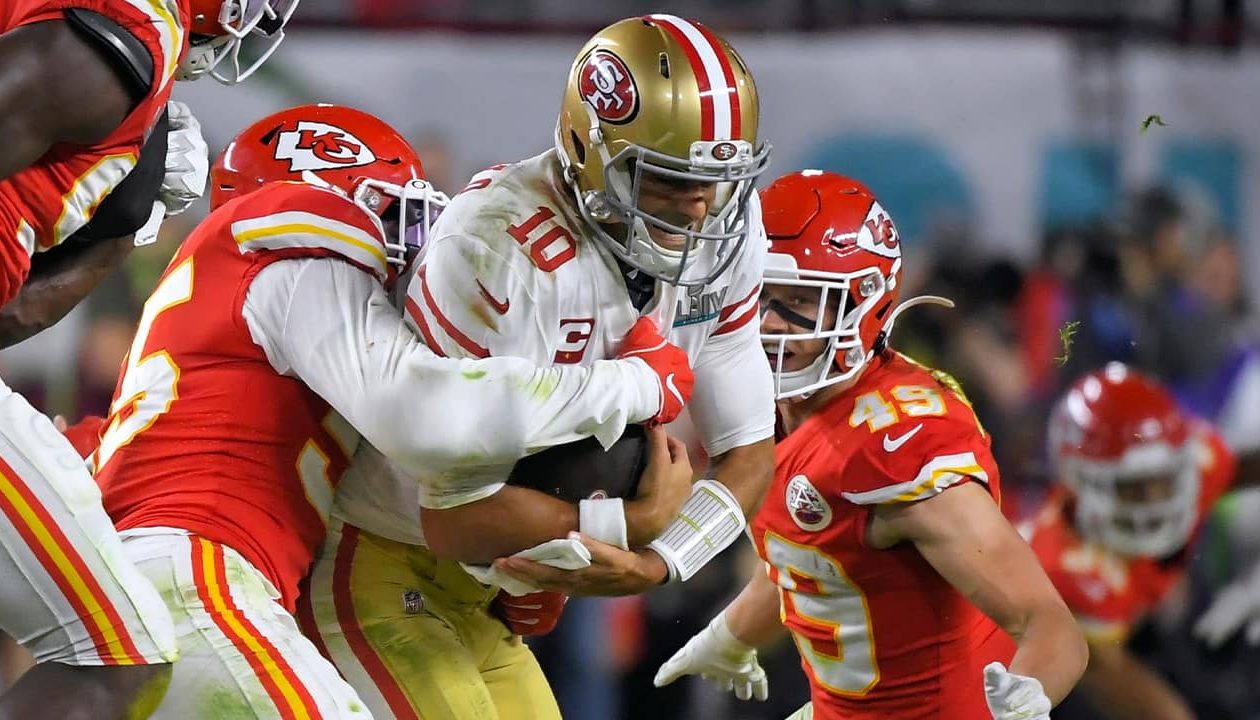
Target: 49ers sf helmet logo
319,146
606,83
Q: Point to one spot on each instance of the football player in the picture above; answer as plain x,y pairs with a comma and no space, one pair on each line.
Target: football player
266,347
84,87
907,592
644,207
1136,476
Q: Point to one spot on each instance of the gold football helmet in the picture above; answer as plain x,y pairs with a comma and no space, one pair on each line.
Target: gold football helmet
661,99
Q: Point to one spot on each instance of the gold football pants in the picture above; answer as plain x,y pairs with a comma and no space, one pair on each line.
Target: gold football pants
412,634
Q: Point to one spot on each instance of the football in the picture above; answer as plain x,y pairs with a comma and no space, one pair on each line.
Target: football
583,469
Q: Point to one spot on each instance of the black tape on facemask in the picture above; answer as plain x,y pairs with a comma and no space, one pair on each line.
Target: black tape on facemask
127,55
128,206
792,317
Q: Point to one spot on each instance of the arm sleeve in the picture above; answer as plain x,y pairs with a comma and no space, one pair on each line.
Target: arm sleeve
331,325
733,401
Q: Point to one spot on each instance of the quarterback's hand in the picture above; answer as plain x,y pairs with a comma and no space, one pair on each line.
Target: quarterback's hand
84,435
533,614
719,657
612,571
1235,607
670,364
663,488
187,160
1014,697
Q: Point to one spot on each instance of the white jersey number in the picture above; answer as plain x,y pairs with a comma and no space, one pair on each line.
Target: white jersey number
148,383
815,593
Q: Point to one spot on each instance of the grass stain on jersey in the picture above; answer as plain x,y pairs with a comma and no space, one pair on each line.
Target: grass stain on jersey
473,374
224,704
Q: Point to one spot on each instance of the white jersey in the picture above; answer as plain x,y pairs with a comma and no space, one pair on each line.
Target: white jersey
509,271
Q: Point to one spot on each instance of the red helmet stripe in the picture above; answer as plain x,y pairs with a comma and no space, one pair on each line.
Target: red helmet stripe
728,74
713,80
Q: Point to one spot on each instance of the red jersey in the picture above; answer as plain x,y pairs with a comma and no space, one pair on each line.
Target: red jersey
881,634
1110,593
45,203
203,433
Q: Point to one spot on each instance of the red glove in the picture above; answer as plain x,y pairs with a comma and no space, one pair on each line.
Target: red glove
532,614
669,362
85,435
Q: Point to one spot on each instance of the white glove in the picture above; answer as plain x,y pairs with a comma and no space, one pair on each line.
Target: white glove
719,657
187,160
1236,606
1014,697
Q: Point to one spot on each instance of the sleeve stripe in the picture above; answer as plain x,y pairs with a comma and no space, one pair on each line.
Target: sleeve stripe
937,475
418,316
298,229
170,30
447,326
731,309
738,322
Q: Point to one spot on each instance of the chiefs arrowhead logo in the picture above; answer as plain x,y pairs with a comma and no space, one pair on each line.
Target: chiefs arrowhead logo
319,146
809,509
605,82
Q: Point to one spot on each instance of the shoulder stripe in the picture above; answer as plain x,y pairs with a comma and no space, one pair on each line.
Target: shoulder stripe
738,314
167,22
287,230
938,474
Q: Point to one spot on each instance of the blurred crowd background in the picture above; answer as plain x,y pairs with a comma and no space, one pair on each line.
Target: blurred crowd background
1075,175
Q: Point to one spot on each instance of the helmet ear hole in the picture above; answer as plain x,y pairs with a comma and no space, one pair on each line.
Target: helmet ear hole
579,150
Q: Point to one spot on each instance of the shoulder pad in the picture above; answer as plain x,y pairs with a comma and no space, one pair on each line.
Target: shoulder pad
299,219
127,54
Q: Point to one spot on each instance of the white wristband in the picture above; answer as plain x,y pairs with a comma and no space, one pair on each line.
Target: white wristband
709,521
605,520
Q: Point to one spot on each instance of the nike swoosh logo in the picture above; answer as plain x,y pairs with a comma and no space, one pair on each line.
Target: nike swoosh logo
891,444
673,389
495,305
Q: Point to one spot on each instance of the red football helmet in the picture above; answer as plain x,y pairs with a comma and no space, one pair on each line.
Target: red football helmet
830,233
221,29
1120,443
336,147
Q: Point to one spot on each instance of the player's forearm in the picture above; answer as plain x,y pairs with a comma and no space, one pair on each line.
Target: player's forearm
1123,688
753,616
58,280
1051,649
746,471
511,520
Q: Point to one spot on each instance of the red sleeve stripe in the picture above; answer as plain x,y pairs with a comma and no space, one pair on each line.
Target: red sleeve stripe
418,316
447,326
737,323
729,310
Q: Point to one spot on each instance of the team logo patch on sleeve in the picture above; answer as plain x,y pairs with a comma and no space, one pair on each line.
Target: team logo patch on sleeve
319,146
808,508
607,85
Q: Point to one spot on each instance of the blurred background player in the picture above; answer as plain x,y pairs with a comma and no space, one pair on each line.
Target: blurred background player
1137,477
266,347
645,207
886,553
86,163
